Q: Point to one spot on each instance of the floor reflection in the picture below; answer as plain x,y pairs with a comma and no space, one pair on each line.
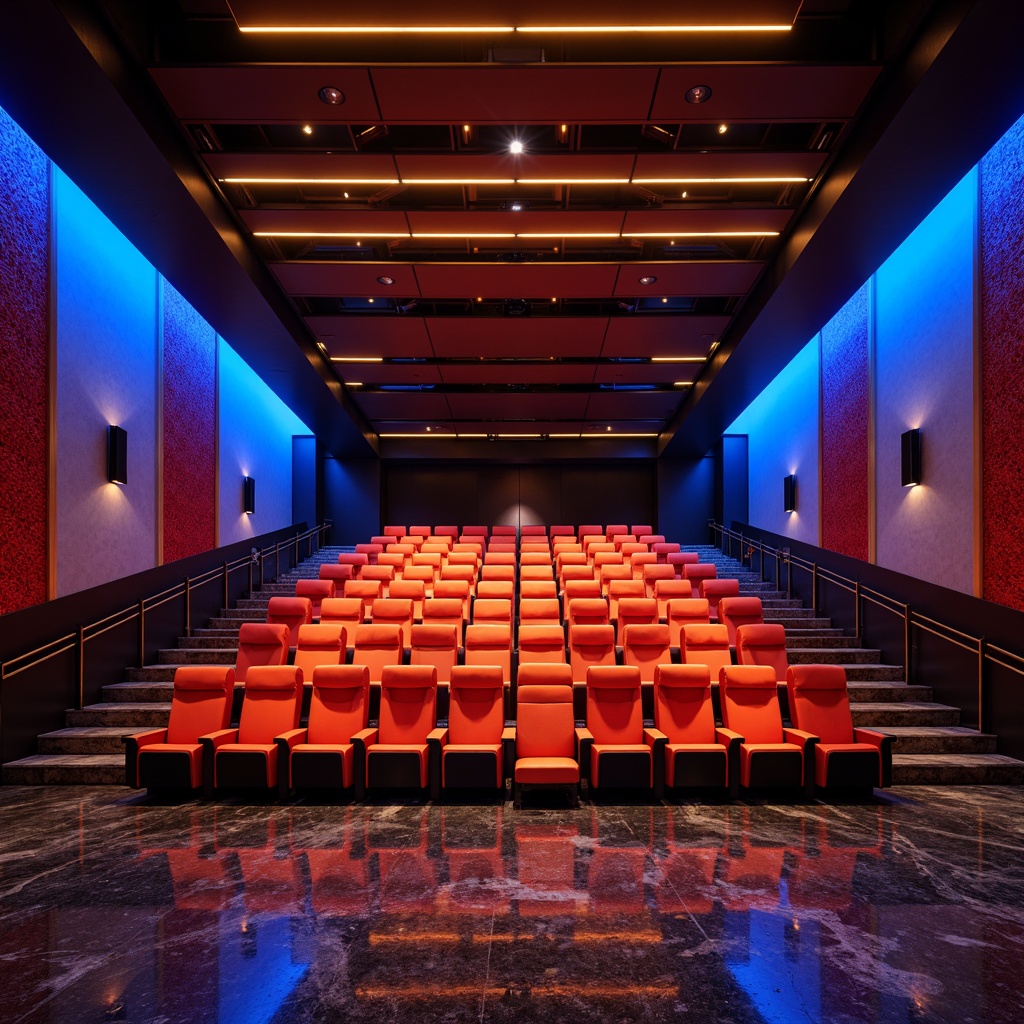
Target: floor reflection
903,910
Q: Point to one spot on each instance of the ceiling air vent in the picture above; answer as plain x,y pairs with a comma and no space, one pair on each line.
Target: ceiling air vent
515,307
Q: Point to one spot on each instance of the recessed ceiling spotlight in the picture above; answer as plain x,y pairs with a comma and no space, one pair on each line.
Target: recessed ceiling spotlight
331,96
516,207
307,129
385,280
648,279
515,147
345,194
698,94
722,129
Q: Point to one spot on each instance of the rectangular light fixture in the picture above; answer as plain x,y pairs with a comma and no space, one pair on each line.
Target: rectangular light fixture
789,493
117,455
248,495
910,457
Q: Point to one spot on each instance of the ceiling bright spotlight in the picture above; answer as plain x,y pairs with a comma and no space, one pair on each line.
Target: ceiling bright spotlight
648,279
698,94
515,147
331,96
722,129
385,280
307,129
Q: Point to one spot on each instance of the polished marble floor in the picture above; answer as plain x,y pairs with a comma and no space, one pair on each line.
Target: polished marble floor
906,908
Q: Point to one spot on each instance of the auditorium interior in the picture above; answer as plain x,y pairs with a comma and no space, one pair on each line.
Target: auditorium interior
511,511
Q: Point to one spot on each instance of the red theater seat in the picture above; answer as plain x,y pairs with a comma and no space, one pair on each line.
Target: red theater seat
495,590
698,572
260,643
343,611
619,589
671,589
172,758
716,590
590,646
587,611
844,757
705,645
377,647
445,611
366,590
492,611
541,644
490,645
646,647
319,645
291,612
763,644
685,611
545,739
409,590
392,611
338,573
472,753
636,611
437,645
734,612
539,612
536,590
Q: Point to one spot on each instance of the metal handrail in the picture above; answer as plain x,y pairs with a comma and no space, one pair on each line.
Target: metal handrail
137,612
976,645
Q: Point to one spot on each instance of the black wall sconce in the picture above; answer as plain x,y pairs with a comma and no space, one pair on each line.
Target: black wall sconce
248,495
789,493
117,455
910,457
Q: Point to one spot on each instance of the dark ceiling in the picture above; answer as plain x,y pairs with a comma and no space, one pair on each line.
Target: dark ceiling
607,281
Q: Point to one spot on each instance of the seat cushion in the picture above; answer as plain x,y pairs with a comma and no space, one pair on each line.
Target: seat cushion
550,770
162,765
322,765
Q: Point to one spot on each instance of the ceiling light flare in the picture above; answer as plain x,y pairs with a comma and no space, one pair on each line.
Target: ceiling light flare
722,129
307,129
515,147
698,94
331,95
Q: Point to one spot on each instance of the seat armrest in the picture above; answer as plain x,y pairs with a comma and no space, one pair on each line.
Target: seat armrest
210,742
584,741
732,741
438,735
508,751
728,737
884,743
133,744
657,741
284,742
654,736
807,743
436,739
291,738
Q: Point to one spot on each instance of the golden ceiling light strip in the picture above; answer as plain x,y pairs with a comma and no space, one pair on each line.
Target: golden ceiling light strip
310,181
718,181
699,234
371,29
457,181
332,234
654,28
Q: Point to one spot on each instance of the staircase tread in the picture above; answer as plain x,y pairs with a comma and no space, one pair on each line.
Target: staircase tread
68,760
961,759
86,730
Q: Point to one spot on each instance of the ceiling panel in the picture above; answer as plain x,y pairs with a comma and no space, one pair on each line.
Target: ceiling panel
518,407
711,277
376,222
267,93
662,336
644,373
516,337
339,279
534,427
755,92
555,167
403,405
329,166
771,219
514,95
554,224
518,373
390,337
632,405
502,281
600,427
727,165
389,373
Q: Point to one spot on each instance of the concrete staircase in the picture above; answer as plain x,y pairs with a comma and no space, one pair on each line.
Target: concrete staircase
931,747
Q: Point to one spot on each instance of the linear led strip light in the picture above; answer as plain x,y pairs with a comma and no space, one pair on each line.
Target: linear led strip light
506,437
506,235
502,29
745,180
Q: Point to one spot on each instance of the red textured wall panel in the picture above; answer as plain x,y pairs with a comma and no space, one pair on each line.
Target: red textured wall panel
189,429
24,344
1002,369
844,438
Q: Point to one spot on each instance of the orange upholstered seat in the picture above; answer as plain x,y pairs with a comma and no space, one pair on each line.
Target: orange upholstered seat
663,549
545,739
705,645
437,645
366,590
770,755
646,647
539,612
639,611
618,589
670,589
490,645
698,572
260,643
844,757
376,647
615,750
696,753
536,590
328,753
734,612
763,644
409,590
492,611
338,573
685,611
291,612
716,589
445,611
172,758
495,590
454,588
639,561
343,611
612,573
319,645
392,611
587,611
472,753
679,559
654,573
396,751
249,755
541,643
589,646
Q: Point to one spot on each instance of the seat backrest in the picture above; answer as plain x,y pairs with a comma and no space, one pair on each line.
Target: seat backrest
561,530
650,539
621,539
639,610
408,703
425,574
702,644
464,573
593,546
503,530
749,696
539,611
338,573
377,647
591,611
578,574
615,529
475,531
476,712
608,574
444,611
201,701
654,573
537,572
495,590
619,589
409,590
716,589
641,530
670,589
685,611
536,590
539,673
499,557
564,558
763,644
458,589
393,611
384,574
395,531
614,714
682,703
497,573
490,645
419,531
679,559
366,590
492,610
697,572
436,645
357,559
630,548
271,703
446,531
470,558
291,612
819,702
583,589
603,558
734,612
541,643
260,643
340,703
342,611
545,726
646,647
590,646
319,645
373,551
590,530
663,549
433,559
534,554
640,560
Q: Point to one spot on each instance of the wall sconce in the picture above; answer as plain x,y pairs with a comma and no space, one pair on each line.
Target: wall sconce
248,495
910,458
789,493
117,455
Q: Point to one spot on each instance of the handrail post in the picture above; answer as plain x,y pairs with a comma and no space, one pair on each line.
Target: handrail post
226,596
814,589
142,632
250,579
981,683
906,642
789,578
296,550
261,570
760,557
188,607
277,561
856,609
80,667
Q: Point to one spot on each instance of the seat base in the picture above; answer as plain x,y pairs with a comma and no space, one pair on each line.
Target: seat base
701,767
171,767
393,767
471,767
241,766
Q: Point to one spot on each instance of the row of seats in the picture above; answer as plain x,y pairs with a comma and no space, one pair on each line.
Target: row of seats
408,749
